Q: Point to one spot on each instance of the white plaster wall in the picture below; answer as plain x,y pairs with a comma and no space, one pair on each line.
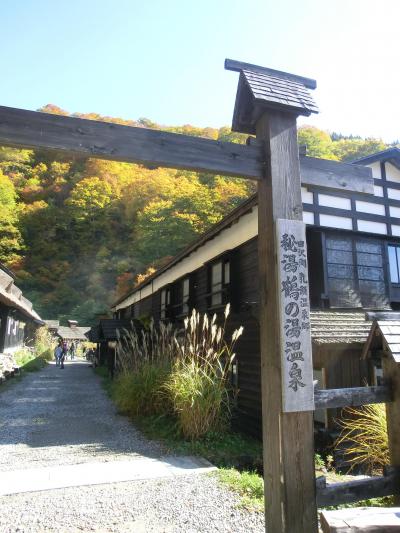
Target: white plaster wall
308,218
369,207
395,230
394,194
372,227
306,196
378,191
392,173
332,221
394,211
334,201
376,170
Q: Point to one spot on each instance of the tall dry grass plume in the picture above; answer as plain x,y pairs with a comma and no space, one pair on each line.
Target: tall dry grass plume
364,437
198,385
185,372
144,361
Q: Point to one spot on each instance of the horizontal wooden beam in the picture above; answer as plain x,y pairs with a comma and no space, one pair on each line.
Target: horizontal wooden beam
336,175
105,140
352,397
361,489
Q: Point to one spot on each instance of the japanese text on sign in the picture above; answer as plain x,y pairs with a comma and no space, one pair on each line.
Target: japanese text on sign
296,357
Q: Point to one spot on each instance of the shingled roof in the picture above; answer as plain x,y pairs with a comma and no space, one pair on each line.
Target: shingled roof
260,88
339,327
76,334
391,155
109,327
93,334
12,296
385,335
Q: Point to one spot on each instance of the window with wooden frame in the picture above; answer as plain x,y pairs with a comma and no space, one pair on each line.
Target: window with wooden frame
394,263
180,297
165,306
219,280
185,295
355,270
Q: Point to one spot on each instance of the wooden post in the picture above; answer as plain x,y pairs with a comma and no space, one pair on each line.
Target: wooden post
290,503
391,374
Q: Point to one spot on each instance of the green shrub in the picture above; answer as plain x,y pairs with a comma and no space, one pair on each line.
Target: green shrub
43,344
198,396
140,393
28,361
364,437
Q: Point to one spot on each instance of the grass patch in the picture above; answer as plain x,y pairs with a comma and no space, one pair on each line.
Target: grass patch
227,449
235,455
249,485
141,392
385,501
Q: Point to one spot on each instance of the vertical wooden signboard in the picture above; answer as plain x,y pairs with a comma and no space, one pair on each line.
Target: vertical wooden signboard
294,314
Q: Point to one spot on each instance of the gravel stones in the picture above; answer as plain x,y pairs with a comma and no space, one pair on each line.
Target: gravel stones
191,504
56,417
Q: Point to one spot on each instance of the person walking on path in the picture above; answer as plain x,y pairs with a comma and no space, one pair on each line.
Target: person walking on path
72,351
57,354
64,353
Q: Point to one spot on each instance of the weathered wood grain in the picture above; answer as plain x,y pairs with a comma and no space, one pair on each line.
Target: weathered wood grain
294,311
105,140
352,397
336,175
287,437
361,489
368,520
31,129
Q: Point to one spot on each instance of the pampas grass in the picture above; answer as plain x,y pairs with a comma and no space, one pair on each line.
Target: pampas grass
198,386
185,372
364,437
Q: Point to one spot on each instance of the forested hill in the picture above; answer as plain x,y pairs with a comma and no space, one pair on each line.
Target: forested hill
77,232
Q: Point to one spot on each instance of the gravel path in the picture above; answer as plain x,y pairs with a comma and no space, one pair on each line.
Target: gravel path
56,417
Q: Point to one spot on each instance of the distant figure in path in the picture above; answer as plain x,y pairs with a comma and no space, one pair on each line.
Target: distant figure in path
72,351
58,353
64,353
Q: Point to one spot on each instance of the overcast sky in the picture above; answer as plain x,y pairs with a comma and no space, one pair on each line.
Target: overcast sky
164,59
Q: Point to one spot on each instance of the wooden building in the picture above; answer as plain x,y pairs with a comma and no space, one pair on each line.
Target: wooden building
72,332
18,320
353,244
105,336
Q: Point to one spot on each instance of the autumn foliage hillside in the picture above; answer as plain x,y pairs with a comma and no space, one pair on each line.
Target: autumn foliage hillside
78,232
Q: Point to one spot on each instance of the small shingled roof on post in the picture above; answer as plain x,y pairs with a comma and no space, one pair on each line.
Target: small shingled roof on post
260,88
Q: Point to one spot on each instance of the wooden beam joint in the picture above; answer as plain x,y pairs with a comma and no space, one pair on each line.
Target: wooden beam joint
352,397
361,489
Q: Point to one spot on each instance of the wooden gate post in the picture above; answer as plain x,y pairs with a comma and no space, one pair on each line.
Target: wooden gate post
268,103
289,477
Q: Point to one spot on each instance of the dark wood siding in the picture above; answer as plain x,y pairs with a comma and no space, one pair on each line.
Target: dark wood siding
336,279
343,368
318,297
